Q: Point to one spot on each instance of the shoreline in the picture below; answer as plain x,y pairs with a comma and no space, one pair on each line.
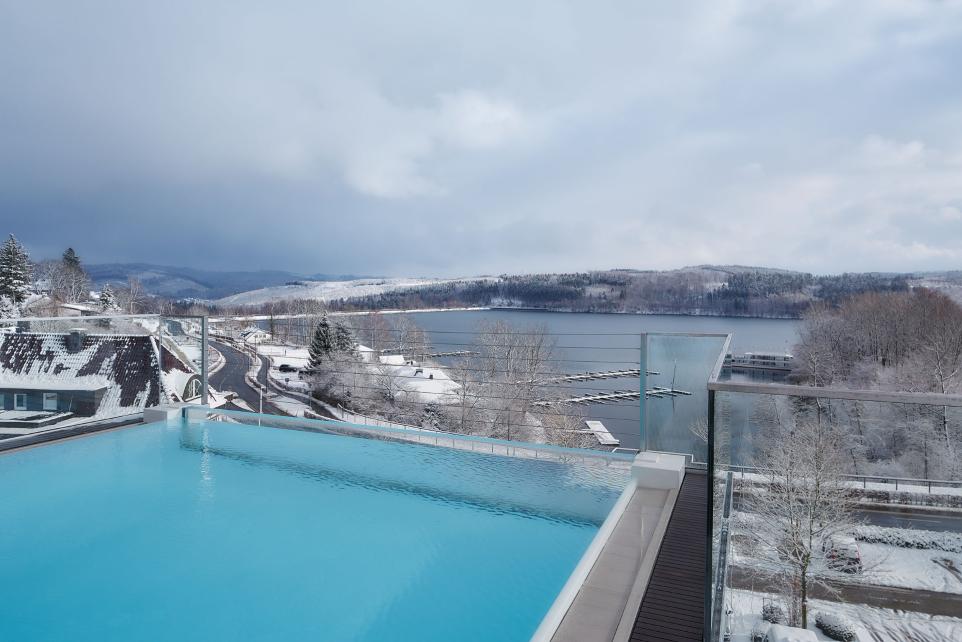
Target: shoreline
497,308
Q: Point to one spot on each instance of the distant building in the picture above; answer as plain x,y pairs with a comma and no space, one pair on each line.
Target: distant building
77,310
253,335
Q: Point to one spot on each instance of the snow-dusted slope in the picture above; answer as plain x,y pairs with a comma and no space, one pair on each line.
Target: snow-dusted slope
324,290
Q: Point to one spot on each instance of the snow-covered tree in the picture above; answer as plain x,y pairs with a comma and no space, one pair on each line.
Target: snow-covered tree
803,509
343,338
15,271
8,309
108,300
71,260
322,344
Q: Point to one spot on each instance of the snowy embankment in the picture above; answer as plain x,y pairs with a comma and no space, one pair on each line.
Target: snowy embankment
329,290
869,623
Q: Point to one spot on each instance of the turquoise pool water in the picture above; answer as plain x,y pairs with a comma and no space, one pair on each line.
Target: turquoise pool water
222,531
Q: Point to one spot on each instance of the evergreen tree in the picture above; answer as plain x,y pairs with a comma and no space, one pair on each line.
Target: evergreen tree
322,344
108,300
71,260
15,271
343,338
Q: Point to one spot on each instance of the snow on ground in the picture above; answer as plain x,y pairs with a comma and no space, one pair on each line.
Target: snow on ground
910,568
284,355
871,624
419,383
883,564
326,290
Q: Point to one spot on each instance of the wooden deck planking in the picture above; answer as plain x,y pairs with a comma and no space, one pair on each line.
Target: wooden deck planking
673,609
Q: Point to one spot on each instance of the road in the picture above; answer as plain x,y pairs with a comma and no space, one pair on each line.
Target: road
945,521
233,376
898,517
886,597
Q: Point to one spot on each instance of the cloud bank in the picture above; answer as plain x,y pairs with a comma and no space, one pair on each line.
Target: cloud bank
449,138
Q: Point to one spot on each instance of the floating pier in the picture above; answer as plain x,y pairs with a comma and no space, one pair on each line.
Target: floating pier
595,376
658,392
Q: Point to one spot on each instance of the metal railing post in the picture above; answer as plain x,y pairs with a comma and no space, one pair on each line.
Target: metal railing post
642,386
204,360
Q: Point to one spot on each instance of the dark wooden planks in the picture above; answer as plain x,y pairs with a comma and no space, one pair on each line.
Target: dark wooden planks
673,609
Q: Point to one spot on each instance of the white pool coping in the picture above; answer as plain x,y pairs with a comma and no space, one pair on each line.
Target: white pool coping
552,619
654,474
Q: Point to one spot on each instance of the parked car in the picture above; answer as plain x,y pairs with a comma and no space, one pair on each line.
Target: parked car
843,554
782,633
286,367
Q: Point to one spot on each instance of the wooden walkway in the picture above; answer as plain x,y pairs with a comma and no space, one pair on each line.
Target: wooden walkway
673,609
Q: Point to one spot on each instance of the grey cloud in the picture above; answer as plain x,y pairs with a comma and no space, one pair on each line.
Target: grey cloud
444,138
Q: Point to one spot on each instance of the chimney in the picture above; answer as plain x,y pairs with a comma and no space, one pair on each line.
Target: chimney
75,340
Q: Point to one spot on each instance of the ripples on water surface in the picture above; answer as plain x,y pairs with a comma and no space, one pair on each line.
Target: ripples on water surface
225,531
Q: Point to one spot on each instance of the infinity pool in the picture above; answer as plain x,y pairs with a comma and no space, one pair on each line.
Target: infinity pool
222,531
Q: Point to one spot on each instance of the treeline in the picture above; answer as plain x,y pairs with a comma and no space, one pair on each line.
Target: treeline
910,341
763,293
896,341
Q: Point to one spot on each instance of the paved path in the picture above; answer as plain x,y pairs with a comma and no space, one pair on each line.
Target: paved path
886,597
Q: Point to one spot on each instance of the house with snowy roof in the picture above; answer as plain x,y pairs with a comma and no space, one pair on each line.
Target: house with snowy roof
252,335
73,377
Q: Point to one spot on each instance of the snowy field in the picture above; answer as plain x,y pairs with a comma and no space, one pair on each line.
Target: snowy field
326,290
870,624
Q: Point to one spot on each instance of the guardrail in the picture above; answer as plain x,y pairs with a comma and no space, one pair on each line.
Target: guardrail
864,480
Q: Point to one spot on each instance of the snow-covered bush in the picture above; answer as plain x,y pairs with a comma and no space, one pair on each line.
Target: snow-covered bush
910,538
905,498
759,631
774,613
8,309
835,627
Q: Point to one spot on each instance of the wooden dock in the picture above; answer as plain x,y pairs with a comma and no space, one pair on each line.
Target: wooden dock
601,433
658,392
595,376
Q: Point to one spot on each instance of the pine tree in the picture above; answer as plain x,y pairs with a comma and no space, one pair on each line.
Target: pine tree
343,338
15,271
108,300
322,344
71,260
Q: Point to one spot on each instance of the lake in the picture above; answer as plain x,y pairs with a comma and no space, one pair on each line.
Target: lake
603,342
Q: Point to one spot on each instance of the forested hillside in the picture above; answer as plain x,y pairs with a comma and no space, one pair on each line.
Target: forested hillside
730,291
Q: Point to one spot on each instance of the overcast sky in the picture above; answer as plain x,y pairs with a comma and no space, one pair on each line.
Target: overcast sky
450,138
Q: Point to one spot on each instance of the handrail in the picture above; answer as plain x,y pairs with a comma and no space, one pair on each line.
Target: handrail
865,479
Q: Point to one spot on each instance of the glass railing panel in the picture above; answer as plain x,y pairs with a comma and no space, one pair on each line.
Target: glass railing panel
864,475
678,367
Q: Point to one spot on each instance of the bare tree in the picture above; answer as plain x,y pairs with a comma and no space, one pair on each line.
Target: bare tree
132,297
802,509
410,338
562,427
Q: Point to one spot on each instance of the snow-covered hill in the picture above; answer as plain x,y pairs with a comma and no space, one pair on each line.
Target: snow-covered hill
323,290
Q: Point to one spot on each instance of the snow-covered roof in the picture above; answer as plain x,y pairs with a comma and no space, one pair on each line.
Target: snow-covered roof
20,383
125,364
